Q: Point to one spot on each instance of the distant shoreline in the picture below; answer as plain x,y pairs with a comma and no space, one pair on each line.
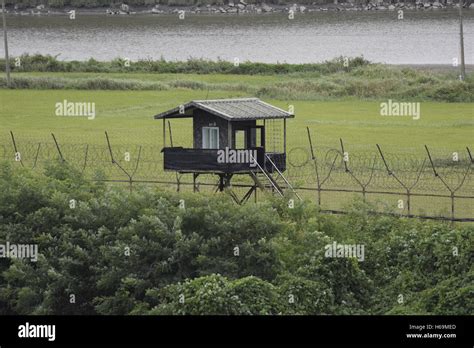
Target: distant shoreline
118,61
233,8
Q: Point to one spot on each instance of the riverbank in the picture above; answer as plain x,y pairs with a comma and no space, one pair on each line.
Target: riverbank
235,7
49,63
354,78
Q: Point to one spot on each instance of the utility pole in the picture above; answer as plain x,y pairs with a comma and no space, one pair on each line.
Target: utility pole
7,61
461,37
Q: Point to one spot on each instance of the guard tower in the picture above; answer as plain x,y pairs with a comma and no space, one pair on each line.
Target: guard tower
231,136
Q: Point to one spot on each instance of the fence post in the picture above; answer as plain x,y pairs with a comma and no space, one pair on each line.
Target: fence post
392,174
17,153
36,156
171,134
343,152
58,148
195,186
116,163
86,154
444,183
178,182
350,172
468,169
139,157
318,183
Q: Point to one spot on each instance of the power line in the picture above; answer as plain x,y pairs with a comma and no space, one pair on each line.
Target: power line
7,61
461,38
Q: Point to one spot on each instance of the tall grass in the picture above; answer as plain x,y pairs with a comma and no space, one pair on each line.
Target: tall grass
331,79
35,63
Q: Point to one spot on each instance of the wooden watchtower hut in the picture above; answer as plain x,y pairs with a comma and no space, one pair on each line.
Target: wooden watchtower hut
231,136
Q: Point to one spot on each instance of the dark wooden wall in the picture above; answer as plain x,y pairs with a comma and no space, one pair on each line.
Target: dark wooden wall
204,119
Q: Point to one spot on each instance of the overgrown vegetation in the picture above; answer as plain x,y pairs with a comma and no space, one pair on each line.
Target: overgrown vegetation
184,261
49,63
332,79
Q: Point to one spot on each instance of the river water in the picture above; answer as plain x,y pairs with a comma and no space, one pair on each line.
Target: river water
422,37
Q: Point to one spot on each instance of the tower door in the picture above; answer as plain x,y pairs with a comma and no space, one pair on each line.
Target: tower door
240,137
249,137
257,135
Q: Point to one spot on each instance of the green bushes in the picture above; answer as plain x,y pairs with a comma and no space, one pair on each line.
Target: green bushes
116,252
217,295
56,3
455,91
38,63
332,79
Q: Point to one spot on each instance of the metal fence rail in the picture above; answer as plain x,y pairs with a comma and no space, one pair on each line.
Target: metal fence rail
437,185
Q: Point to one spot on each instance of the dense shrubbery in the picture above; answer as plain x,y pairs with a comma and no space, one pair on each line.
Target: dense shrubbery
140,253
198,66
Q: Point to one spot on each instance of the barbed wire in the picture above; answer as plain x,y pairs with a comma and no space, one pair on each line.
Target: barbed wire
441,182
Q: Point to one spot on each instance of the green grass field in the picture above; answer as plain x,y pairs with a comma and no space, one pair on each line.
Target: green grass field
127,116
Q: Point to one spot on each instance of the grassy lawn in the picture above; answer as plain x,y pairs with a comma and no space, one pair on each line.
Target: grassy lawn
128,117
254,80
